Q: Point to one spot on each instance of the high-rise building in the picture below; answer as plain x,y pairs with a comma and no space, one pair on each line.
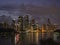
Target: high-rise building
32,21
50,26
44,31
20,22
49,22
29,25
44,27
13,24
33,24
26,22
50,29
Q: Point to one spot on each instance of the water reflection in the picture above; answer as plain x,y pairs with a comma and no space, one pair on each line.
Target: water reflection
29,38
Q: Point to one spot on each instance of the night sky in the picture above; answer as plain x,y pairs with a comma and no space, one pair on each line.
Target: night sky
38,2
40,9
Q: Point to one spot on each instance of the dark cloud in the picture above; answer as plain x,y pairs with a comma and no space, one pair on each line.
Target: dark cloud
41,9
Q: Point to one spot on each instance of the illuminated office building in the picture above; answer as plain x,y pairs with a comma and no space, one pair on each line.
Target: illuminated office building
26,22
33,24
44,31
20,22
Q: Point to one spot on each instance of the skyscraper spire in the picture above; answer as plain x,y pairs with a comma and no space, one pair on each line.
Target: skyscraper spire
49,21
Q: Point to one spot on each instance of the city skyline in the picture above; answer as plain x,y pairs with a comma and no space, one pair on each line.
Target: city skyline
29,22
39,9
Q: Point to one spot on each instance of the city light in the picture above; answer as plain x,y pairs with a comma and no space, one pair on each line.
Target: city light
28,30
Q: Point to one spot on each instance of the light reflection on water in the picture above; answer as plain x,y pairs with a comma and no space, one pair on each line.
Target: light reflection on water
29,38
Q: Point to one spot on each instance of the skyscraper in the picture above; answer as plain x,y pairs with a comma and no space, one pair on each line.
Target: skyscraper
20,22
33,24
26,22
49,22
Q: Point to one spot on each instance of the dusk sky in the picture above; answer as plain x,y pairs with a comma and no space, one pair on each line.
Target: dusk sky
46,3
40,9
40,2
